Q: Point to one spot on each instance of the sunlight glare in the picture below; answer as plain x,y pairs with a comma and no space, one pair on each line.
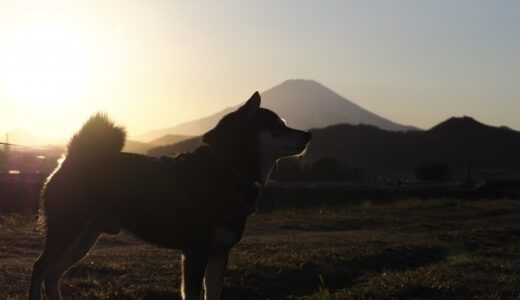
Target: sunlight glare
44,65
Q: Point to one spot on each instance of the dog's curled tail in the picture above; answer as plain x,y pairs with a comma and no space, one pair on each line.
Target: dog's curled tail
99,137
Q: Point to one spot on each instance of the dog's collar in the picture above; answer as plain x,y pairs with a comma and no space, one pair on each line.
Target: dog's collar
249,191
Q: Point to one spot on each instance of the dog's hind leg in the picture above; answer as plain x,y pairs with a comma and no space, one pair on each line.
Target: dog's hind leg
51,267
72,254
217,264
193,266
55,241
38,274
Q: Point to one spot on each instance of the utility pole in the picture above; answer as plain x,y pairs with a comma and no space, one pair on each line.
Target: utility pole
6,145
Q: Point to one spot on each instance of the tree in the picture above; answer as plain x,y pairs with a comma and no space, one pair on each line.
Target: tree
288,169
329,169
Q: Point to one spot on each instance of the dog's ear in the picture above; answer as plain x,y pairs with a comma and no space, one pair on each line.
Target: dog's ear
227,127
251,106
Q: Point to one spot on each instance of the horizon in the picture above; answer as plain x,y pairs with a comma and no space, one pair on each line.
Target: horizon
156,66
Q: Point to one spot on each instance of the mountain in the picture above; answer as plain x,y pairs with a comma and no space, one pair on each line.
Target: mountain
183,146
303,104
456,141
169,139
136,147
25,138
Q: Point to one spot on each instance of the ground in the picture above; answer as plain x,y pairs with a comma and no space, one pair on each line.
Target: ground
408,249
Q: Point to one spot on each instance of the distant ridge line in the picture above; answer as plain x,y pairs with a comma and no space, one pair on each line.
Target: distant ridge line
302,103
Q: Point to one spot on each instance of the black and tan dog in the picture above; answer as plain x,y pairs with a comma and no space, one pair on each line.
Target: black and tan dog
196,202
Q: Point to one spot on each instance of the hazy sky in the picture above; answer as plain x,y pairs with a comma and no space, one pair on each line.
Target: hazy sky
152,64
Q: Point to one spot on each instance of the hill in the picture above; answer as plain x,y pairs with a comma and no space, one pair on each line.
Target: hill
25,138
169,139
183,146
456,141
136,147
303,104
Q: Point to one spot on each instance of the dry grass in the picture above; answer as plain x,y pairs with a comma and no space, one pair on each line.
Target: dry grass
408,249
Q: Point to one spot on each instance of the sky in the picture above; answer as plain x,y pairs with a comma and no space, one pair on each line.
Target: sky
154,64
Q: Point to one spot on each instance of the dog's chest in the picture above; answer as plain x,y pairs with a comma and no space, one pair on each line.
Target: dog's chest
225,237
230,228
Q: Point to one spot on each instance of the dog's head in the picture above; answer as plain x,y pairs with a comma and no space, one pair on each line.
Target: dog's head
252,128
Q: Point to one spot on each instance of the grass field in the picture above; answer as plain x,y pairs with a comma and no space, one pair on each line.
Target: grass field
433,249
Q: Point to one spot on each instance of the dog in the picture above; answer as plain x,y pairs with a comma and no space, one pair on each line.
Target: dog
196,202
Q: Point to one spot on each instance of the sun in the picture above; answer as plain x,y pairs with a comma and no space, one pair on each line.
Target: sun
44,64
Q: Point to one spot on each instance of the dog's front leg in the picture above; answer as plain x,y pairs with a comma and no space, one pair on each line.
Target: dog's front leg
217,264
193,266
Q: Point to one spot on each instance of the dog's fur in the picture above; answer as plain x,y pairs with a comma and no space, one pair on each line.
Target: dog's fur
196,202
